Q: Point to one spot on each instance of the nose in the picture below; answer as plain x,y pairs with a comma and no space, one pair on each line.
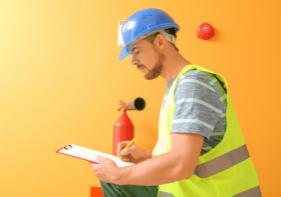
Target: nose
134,61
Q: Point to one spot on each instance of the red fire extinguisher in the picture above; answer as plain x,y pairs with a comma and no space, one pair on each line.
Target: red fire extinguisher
123,128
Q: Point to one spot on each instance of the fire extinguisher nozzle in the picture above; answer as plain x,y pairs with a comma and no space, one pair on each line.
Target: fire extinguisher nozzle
137,104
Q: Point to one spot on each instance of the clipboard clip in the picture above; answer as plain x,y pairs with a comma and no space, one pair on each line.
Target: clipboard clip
67,147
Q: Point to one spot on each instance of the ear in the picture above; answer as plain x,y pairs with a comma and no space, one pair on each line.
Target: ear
160,41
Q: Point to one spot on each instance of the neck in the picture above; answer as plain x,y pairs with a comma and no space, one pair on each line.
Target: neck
173,64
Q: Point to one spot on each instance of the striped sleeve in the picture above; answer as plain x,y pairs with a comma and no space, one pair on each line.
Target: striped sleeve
198,107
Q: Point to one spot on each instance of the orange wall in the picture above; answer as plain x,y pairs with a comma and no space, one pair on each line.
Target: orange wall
60,80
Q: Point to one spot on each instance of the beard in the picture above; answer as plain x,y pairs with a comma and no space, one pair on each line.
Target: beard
157,69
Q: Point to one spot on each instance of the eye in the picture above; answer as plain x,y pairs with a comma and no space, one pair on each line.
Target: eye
137,52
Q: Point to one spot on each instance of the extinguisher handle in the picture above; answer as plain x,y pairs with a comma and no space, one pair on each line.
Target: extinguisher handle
122,103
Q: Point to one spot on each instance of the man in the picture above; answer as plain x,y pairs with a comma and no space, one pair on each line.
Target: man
200,151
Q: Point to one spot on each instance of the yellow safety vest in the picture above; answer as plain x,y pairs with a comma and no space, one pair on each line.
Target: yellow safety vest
225,171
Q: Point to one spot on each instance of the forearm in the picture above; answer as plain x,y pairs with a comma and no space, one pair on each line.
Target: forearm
155,171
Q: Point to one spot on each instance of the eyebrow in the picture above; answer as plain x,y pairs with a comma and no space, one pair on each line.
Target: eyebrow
134,49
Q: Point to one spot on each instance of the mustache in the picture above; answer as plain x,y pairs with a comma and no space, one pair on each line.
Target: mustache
140,66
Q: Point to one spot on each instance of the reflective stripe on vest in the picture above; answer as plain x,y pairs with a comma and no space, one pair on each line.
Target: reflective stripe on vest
165,194
222,162
254,192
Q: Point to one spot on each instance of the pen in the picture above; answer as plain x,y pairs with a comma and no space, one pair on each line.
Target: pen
127,145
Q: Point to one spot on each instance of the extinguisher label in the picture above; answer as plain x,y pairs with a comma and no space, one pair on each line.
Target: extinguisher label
120,35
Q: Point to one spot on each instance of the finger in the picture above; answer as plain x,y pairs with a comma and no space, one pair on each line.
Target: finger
100,158
123,158
104,160
121,146
127,151
93,165
127,159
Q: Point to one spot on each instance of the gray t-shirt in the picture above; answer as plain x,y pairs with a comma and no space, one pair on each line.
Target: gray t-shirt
200,106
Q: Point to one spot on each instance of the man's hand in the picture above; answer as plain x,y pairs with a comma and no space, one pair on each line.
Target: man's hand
177,164
106,171
132,154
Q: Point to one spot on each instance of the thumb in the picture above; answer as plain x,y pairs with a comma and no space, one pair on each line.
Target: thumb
126,151
100,158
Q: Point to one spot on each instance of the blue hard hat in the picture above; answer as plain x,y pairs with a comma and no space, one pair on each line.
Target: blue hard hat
141,24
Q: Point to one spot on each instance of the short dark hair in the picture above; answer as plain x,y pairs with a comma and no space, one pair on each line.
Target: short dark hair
171,31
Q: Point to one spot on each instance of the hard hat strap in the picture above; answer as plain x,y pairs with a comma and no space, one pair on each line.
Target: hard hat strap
169,37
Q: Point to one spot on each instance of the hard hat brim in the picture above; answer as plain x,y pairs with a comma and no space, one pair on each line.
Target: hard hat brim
124,53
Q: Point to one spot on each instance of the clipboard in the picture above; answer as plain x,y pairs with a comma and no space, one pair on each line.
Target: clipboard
90,155
69,147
